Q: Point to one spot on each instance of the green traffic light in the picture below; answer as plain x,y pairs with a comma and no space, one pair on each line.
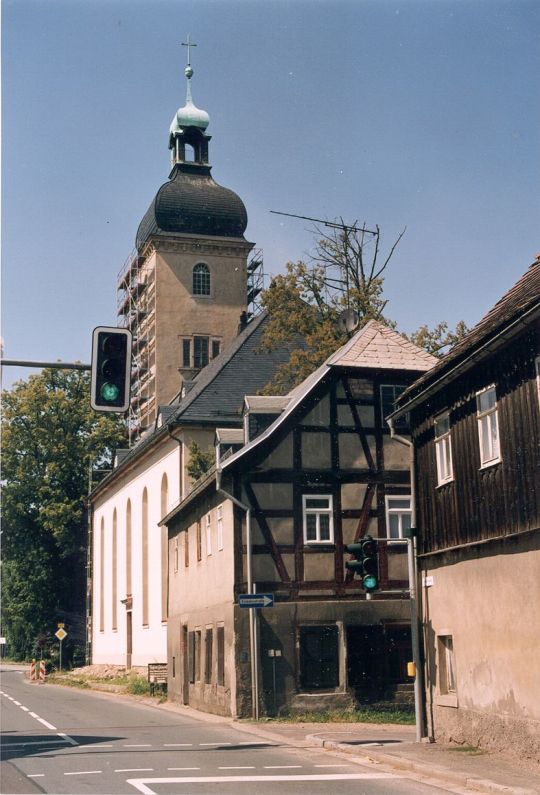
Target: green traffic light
370,582
109,392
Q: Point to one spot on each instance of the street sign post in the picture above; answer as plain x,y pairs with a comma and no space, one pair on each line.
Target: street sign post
61,634
256,600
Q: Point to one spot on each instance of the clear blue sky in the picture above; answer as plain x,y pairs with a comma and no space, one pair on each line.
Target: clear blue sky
422,115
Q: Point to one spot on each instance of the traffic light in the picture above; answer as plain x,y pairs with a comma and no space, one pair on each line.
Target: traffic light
366,563
111,369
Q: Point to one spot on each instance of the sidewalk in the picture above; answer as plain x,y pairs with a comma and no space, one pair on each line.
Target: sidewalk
393,747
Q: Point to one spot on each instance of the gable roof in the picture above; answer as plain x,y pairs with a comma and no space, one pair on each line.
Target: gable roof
517,308
374,346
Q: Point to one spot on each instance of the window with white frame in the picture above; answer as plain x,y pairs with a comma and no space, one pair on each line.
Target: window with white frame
208,526
443,449
398,516
318,518
488,426
447,666
220,527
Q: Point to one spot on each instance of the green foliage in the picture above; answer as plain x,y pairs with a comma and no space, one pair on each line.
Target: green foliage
138,686
439,339
51,439
200,461
360,715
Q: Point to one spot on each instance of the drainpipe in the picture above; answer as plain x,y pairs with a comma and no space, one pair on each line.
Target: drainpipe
253,628
413,592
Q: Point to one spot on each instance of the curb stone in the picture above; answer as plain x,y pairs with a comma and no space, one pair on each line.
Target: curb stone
433,771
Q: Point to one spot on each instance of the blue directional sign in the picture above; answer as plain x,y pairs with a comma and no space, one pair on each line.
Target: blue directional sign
256,599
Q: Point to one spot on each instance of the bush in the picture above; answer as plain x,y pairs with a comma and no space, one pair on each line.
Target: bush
138,686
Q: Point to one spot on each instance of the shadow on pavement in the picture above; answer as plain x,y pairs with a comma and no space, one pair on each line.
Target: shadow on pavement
26,745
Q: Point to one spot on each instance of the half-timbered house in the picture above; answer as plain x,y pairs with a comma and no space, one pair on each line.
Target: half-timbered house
315,471
475,423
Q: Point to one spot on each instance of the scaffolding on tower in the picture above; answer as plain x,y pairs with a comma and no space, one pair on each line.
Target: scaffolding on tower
255,283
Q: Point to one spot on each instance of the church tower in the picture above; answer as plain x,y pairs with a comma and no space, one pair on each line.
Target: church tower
183,292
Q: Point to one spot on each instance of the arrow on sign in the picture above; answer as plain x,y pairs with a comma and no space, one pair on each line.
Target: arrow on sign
256,600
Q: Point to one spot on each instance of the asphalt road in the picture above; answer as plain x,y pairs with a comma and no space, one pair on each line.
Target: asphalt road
62,740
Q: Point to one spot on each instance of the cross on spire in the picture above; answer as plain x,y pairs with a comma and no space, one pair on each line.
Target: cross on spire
189,44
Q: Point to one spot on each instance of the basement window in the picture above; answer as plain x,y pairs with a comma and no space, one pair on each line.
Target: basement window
319,658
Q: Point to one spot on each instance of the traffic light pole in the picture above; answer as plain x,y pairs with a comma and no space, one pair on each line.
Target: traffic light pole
53,365
419,698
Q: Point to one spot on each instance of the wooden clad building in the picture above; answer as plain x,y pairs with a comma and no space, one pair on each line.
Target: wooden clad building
475,423
317,471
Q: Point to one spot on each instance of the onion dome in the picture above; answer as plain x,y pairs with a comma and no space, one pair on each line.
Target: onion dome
192,203
190,115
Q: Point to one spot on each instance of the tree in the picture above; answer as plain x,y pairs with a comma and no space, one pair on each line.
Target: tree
51,440
345,272
439,339
200,461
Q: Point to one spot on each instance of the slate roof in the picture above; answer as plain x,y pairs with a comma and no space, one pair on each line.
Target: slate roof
374,346
378,346
521,304
192,203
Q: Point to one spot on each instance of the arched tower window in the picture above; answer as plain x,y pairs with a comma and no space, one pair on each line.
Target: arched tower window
164,548
201,279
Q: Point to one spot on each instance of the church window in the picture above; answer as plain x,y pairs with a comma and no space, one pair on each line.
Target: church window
128,548
145,558
186,353
200,352
114,578
164,547
201,279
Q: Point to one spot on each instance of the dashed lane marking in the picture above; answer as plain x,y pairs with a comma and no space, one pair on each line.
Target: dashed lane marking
183,768
138,745
178,745
215,744
331,765
238,767
142,784
67,738
135,770
35,775
83,772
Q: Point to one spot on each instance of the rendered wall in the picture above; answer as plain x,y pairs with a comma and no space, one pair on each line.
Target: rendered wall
488,601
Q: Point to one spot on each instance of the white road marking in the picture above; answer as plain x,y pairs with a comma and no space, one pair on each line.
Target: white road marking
83,772
140,745
177,745
134,770
33,714
279,767
215,743
46,723
92,745
36,742
18,703
25,708
238,767
141,784
35,775
67,738
331,765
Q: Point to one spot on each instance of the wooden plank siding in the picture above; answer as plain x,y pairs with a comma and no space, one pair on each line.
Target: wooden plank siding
498,500
345,406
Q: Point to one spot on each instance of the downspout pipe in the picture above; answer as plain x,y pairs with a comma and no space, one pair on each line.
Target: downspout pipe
253,640
419,699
